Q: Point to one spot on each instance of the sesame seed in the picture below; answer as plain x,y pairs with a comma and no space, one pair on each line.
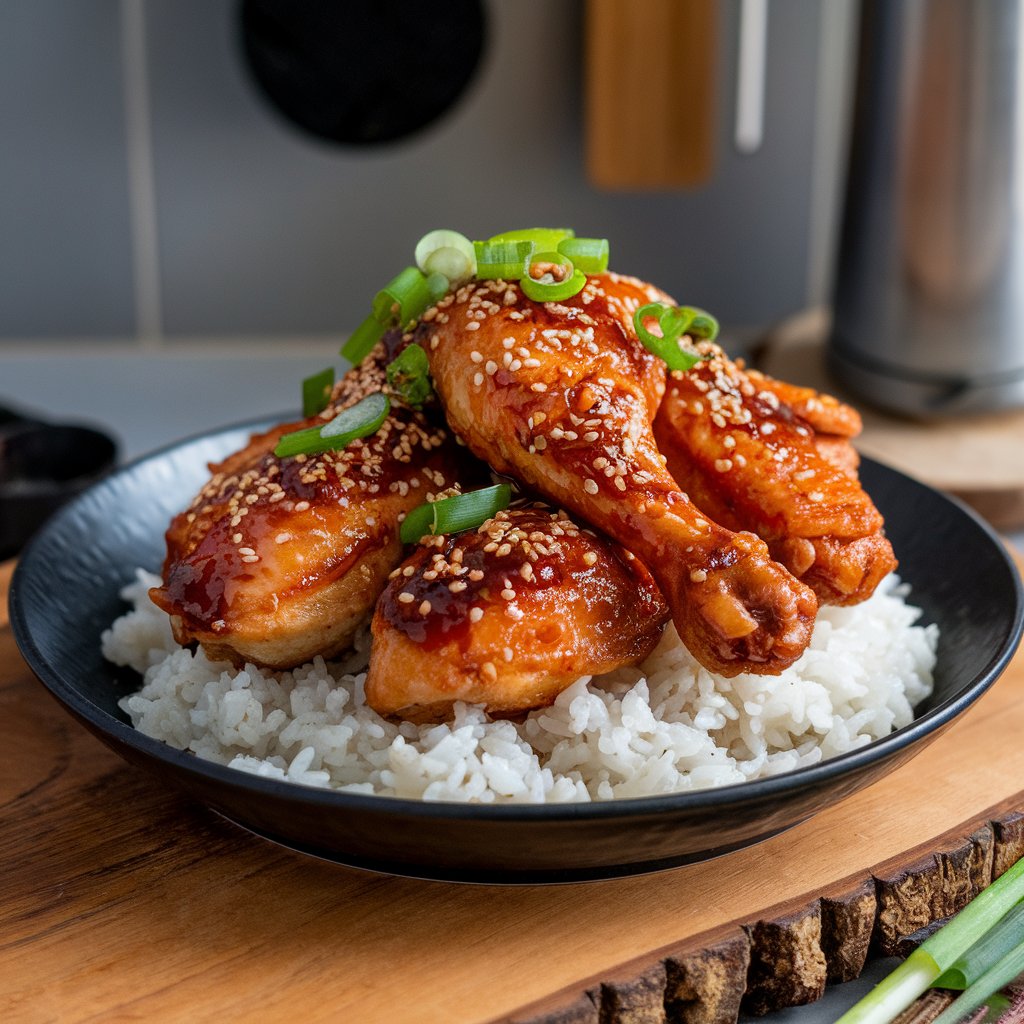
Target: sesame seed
457,586
473,325
476,575
301,506
816,496
476,357
282,538
508,595
405,597
508,342
590,558
425,607
698,576
620,483
478,379
491,367
539,386
250,558
590,486
723,465
541,443
476,614
590,435
729,441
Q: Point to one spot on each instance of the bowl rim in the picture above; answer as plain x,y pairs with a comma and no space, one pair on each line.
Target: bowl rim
733,795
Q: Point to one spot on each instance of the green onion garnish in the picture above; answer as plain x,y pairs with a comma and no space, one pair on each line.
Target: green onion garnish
940,952
506,260
551,277
316,392
409,376
675,321
437,286
541,239
455,514
446,252
361,341
588,254
402,299
359,420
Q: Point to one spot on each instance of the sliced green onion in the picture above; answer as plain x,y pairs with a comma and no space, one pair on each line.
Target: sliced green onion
540,238
316,392
362,340
541,284
940,952
402,299
446,252
588,254
675,321
359,420
506,260
437,287
455,514
409,376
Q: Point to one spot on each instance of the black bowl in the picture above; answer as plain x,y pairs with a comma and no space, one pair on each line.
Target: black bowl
65,593
43,466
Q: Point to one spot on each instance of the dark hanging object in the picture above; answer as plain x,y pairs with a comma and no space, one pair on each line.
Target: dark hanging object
362,71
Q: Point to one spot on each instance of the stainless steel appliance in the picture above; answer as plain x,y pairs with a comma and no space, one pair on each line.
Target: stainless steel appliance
929,297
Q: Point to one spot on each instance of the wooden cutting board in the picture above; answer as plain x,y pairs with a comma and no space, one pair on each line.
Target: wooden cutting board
122,901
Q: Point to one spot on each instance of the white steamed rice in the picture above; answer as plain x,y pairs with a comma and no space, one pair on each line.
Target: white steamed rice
668,726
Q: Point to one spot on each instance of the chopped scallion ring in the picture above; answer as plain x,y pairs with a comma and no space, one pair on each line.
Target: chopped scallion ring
402,299
359,420
446,252
409,376
551,277
316,392
437,287
504,260
361,341
541,239
675,321
588,254
455,514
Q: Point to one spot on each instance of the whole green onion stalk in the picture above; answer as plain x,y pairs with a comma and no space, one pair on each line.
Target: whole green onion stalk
940,953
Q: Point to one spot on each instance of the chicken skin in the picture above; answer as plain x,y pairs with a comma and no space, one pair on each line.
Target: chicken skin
751,463
280,559
562,397
508,616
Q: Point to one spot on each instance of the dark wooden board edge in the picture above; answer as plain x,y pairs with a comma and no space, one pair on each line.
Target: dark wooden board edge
789,953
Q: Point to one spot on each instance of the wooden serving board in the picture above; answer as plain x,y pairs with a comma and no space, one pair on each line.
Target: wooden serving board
122,901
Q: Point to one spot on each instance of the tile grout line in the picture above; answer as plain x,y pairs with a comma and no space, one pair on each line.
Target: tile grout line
141,180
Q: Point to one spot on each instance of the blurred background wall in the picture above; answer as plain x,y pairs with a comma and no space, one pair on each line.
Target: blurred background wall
149,192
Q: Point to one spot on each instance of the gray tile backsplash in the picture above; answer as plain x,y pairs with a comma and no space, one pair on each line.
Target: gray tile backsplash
65,241
262,230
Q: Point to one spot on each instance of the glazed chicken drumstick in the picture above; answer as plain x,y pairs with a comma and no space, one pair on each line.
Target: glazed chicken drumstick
748,460
562,396
508,616
278,560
